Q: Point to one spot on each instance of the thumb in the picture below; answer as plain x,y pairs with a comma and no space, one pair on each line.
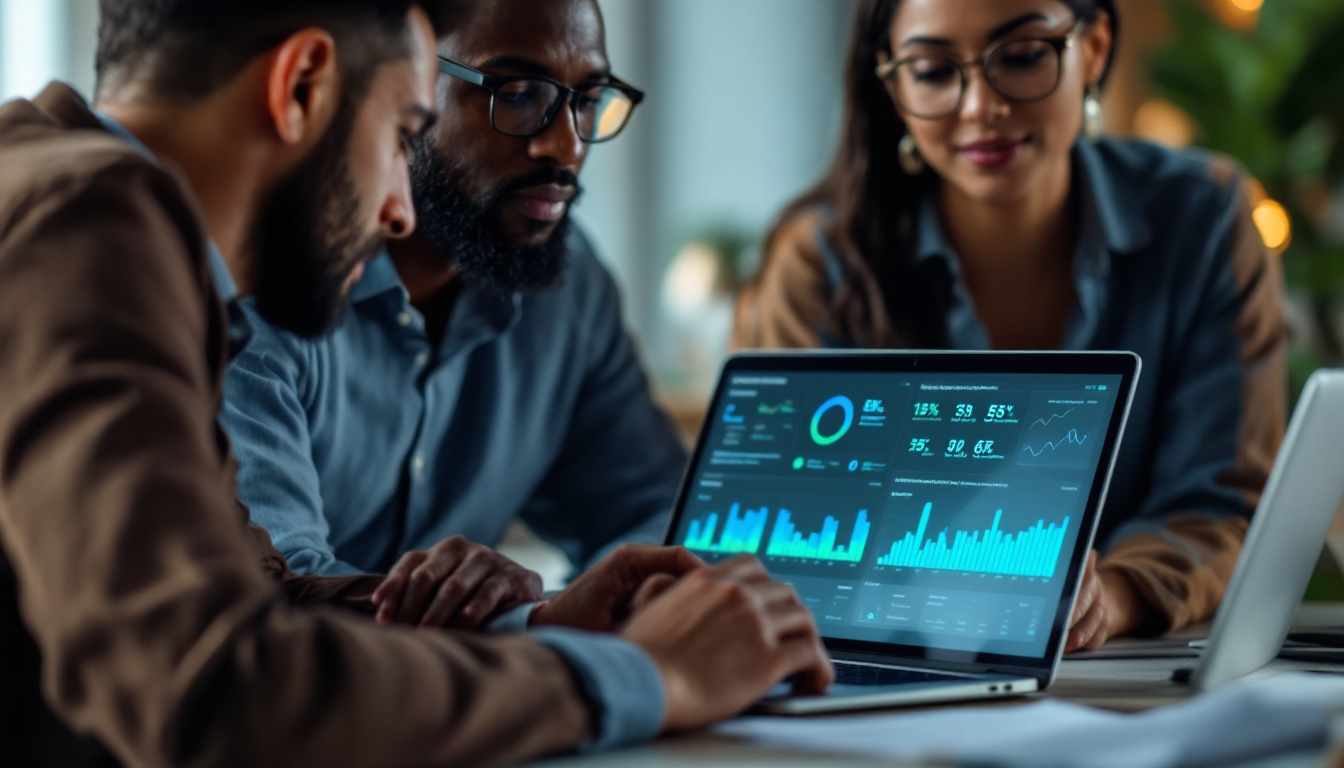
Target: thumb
652,587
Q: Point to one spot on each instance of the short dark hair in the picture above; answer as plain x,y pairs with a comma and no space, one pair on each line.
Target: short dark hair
186,49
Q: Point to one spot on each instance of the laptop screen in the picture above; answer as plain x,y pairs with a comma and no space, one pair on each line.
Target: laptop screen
925,508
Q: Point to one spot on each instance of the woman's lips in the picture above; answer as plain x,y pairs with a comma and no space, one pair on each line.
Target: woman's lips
993,153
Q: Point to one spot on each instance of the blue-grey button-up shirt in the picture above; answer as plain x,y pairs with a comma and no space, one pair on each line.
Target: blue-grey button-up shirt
361,445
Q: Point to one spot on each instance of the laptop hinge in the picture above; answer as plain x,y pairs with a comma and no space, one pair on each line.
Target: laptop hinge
1041,676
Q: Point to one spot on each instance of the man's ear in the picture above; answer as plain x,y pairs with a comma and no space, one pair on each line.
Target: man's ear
1096,42
303,86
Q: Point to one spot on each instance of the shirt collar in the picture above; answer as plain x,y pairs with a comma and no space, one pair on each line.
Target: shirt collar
219,270
1113,199
1110,218
380,276
479,315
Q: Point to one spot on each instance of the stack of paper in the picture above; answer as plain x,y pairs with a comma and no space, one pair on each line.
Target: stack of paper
1252,718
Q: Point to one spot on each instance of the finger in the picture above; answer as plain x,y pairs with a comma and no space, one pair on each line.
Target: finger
652,587
769,594
790,620
651,559
1086,599
1082,634
423,582
459,586
1099,634
491,595
807,660
741,568
388,597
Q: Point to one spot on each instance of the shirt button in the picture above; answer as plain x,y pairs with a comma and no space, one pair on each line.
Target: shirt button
418,464
404,319
422,359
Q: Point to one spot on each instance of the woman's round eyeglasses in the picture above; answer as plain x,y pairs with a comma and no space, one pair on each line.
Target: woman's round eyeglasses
1020,70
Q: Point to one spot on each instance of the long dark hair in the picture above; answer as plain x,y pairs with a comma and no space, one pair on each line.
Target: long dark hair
883,300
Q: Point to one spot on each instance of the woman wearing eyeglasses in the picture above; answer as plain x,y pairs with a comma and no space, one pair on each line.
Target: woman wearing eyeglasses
971,205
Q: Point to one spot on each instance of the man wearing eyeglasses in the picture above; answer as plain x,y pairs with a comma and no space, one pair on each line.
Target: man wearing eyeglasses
482,373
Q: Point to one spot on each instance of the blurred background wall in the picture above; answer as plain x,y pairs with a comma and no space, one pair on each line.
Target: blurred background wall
743,113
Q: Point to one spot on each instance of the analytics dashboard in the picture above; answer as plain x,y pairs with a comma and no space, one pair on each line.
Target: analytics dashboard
934,510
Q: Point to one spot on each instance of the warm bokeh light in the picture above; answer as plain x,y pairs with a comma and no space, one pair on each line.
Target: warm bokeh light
1237,14
1165,123
1276,229
691,279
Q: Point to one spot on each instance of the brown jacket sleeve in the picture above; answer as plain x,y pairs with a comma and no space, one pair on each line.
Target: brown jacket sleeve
158,632
1182,571
788,303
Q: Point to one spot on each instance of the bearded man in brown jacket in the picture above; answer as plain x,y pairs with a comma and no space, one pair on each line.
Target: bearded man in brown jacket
259,148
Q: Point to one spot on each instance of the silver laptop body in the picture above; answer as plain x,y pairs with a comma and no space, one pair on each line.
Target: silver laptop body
1284,541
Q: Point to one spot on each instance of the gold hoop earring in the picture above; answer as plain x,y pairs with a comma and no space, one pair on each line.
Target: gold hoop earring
908,154
1092,113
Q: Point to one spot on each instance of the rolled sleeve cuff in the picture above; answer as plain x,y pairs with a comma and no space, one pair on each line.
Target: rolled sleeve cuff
512,620
621,682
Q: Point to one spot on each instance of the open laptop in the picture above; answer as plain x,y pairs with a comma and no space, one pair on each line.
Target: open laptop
1284,541
933,509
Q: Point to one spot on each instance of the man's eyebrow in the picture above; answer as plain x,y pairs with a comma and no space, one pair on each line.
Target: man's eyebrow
994,34
525,66
425,115
519,64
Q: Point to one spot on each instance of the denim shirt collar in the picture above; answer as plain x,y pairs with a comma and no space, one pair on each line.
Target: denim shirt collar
240,330
480,315
1110,225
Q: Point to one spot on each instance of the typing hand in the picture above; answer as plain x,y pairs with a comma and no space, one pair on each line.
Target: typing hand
723,636
455,584
603,597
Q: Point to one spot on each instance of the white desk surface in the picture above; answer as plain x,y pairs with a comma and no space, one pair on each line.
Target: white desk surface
1115,684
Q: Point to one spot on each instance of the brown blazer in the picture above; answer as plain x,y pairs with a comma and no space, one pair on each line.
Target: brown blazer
132,607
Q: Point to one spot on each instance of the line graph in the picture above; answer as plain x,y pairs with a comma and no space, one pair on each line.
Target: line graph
1071,438
1045,422
1062,432
771,410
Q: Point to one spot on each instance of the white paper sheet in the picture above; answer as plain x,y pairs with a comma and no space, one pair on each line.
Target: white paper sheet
1248,719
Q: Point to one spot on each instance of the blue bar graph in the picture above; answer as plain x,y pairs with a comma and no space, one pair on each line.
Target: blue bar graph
787,541
1033,552
742,533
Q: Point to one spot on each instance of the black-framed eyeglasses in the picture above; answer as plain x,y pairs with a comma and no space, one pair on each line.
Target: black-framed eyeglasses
1020,70
525,105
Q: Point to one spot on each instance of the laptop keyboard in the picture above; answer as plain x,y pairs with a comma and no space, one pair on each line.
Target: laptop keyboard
862,674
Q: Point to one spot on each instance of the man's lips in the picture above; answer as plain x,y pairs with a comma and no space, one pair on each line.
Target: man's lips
989,154
546,202
356,274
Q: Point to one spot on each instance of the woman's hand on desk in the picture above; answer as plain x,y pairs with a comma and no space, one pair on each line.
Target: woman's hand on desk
1107,607
456,583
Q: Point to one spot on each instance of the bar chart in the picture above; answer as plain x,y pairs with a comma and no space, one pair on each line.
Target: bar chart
742,532
1033,552
787,541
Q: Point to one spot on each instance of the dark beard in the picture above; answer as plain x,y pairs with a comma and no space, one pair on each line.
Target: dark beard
469,232
307,238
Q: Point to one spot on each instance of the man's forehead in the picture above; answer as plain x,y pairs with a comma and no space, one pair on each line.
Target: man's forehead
553,34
